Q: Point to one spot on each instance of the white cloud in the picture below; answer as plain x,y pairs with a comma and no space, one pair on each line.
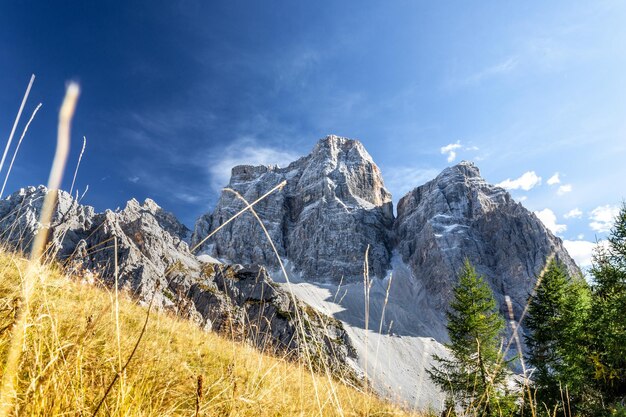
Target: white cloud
401,180
581,251
522,198
554,179
134,179
245,151
574,213
548,218
580,236
450,150
602,218
526,182
564,189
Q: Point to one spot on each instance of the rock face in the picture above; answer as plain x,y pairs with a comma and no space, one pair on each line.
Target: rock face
155,264
458,215
333,206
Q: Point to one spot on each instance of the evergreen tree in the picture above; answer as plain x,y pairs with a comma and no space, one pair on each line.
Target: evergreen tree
544,323
475,372
557,339
608,314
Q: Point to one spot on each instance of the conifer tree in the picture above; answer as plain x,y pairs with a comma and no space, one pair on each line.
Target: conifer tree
555,338
474,373
608,314
544,322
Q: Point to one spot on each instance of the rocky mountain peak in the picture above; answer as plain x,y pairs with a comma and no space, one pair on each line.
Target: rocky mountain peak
459,215
465,168
458,191
335,148
337,185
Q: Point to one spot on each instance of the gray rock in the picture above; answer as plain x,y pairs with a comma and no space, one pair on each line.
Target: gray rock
155,264
333,206
458,215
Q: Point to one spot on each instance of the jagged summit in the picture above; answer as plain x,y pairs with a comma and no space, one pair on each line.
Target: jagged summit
462,188
334,205
332,147
459,215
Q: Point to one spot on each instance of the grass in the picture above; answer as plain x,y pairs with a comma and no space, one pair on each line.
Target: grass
70,356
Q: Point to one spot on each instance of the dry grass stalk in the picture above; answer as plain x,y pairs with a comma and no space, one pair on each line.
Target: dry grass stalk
80,157
17,120
17,148
119,374
58,166
366,297
248,207
198,394
299,321
9,378
382,320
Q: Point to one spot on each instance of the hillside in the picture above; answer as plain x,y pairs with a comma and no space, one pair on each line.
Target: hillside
73,350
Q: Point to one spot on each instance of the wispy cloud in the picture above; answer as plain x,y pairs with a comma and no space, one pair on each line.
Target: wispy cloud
564,189
450,150
574,213
505,66
554,179
526,182
602,218
245,151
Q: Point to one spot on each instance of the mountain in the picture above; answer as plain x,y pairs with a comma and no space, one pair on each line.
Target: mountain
331,211
155,265
333,206
459,215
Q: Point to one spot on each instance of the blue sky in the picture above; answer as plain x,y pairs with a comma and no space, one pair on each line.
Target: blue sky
175,92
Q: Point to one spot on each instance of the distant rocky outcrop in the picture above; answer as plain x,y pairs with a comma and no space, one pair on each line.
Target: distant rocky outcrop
333,206
155,265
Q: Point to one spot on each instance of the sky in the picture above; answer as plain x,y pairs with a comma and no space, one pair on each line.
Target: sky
175,93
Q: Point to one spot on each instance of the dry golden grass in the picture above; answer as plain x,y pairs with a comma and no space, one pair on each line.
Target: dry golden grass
70,355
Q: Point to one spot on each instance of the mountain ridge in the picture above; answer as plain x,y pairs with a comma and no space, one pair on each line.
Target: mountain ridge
333,210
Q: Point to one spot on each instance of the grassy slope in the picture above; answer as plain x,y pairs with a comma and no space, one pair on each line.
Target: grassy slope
71,355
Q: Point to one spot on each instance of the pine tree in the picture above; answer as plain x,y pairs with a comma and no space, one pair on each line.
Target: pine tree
608,314
474,374
544,322
555,340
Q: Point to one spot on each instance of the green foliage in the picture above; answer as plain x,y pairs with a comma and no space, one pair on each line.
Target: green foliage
608,314
474,375
556,324
577,340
